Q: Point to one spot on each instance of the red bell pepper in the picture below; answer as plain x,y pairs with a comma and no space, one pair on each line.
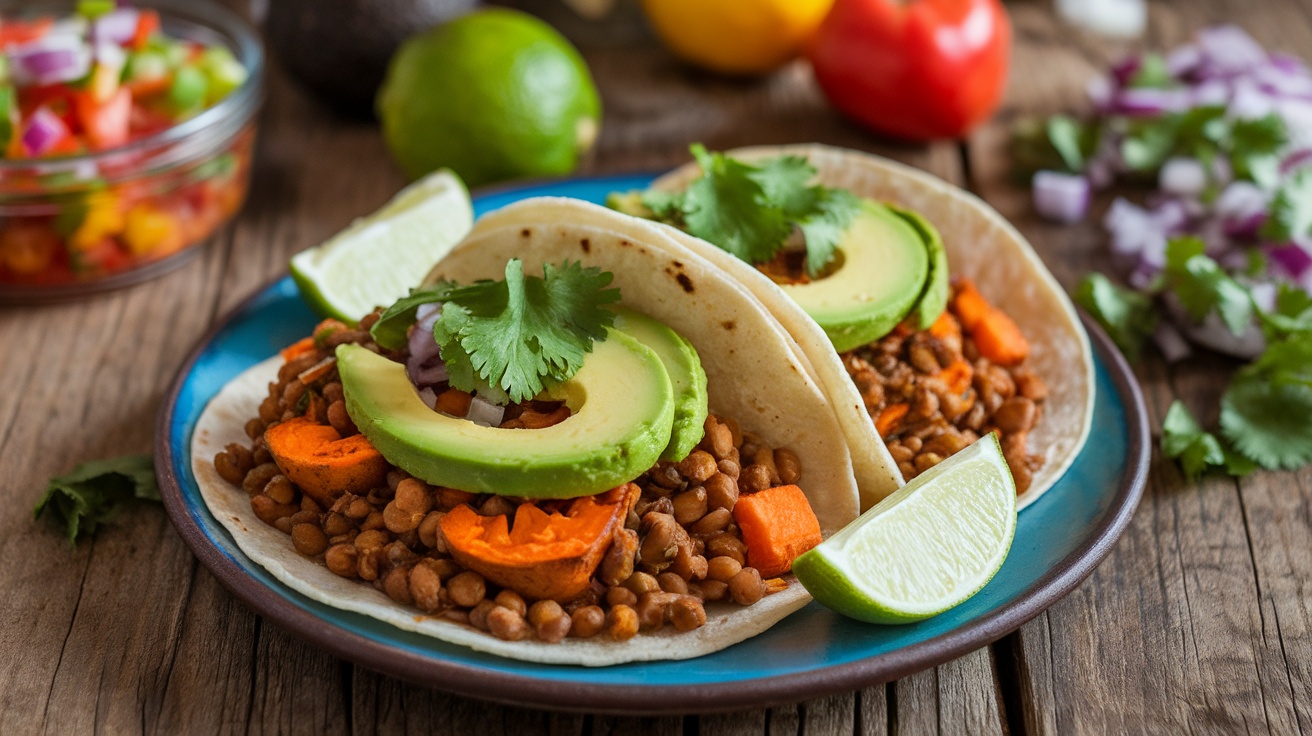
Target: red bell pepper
147,24
915,69
105,123
15,32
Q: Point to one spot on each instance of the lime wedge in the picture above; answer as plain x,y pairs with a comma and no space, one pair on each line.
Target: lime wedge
926,548
380,257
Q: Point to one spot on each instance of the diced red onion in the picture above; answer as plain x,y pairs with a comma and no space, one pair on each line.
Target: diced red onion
1171,343
1142,102
44,130
429,375
1295,161
1131,228
1124,70
1229,48
50,60
425,366
1212,332
485,413
429,397
1293,260
1061,197
1287,63
1185,177
1209,93
1100,91
118,26
1247,100
1183,60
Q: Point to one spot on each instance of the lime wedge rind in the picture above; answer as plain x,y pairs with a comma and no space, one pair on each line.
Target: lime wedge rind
923,550
380,257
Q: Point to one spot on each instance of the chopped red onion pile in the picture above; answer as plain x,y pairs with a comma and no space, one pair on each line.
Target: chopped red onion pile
427,369
1221,125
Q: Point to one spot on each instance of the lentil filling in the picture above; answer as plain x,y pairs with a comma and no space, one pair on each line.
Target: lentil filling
932,394
677,549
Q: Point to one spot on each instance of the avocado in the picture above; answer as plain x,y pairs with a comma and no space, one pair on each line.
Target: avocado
935,297
686,377
623,410
881,271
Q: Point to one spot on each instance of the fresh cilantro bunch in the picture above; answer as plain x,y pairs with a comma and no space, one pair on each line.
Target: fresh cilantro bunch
508,340
1266,410
751,210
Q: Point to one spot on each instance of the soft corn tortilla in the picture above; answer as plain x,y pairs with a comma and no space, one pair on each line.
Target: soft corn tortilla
980,244
755,373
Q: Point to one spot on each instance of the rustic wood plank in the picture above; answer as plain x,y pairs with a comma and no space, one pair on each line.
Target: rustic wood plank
1174,624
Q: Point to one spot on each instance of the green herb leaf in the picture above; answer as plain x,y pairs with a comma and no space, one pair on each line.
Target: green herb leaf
1153,73
1202,285
390,331
519,334
1291,210
1292,314
1185,440
93,492
1125,314
1068,138
1255,145
750,210
1265,409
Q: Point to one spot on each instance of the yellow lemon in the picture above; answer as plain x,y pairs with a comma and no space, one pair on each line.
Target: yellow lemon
736,36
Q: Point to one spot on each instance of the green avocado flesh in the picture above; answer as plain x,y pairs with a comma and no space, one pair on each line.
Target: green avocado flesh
934,299
881,276
686,377
622,412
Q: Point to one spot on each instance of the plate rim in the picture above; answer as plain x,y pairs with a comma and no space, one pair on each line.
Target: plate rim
524,690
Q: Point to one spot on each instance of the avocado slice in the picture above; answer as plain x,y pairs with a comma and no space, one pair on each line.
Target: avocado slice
881,275
623,411
686,377
934,300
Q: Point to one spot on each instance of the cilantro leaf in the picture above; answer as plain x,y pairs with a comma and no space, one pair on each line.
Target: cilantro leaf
93,492
783,181
824,226
1265,410
516,336
1070,139
1202,285
1292,314
1255,145
1125,314
1153,73
1185,440
724,207
391,328
1290,215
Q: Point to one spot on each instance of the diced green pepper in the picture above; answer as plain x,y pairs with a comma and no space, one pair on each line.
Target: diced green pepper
187,94
8,116
92,9
4,69
225,73
143,65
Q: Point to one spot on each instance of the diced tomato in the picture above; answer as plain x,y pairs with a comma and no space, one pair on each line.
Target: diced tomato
14,32
106,124
147,24
144,121
149,86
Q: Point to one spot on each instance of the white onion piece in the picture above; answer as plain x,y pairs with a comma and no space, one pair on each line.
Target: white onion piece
429,375
429,397
1061,197
1229,48
1185,177
485,413
428,312
1171,343
1213,333
1120,18
1183,60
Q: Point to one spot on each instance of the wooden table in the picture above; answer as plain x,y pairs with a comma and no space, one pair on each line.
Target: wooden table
1198,621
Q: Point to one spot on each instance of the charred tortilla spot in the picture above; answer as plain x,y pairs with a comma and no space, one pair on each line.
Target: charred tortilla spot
625,244
685,282
728,324
678,264
585,245
526,232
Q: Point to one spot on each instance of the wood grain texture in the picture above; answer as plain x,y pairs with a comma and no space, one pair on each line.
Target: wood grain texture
1198,622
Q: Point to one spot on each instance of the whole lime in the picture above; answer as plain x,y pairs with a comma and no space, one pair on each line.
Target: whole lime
495,94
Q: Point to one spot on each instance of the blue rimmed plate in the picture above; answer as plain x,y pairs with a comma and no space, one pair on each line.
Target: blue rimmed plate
1059,540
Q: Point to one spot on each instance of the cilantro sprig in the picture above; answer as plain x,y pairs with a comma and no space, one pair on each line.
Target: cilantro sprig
508,340
1265,408
92,493
751,210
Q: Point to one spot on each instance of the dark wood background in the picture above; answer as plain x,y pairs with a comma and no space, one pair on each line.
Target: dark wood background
1198,622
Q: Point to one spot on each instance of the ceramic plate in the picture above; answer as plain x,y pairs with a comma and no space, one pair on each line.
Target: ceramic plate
814,652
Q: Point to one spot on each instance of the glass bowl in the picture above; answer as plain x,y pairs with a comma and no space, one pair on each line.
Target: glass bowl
76,225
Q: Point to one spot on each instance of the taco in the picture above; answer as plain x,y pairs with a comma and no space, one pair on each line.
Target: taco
613,462
932,315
